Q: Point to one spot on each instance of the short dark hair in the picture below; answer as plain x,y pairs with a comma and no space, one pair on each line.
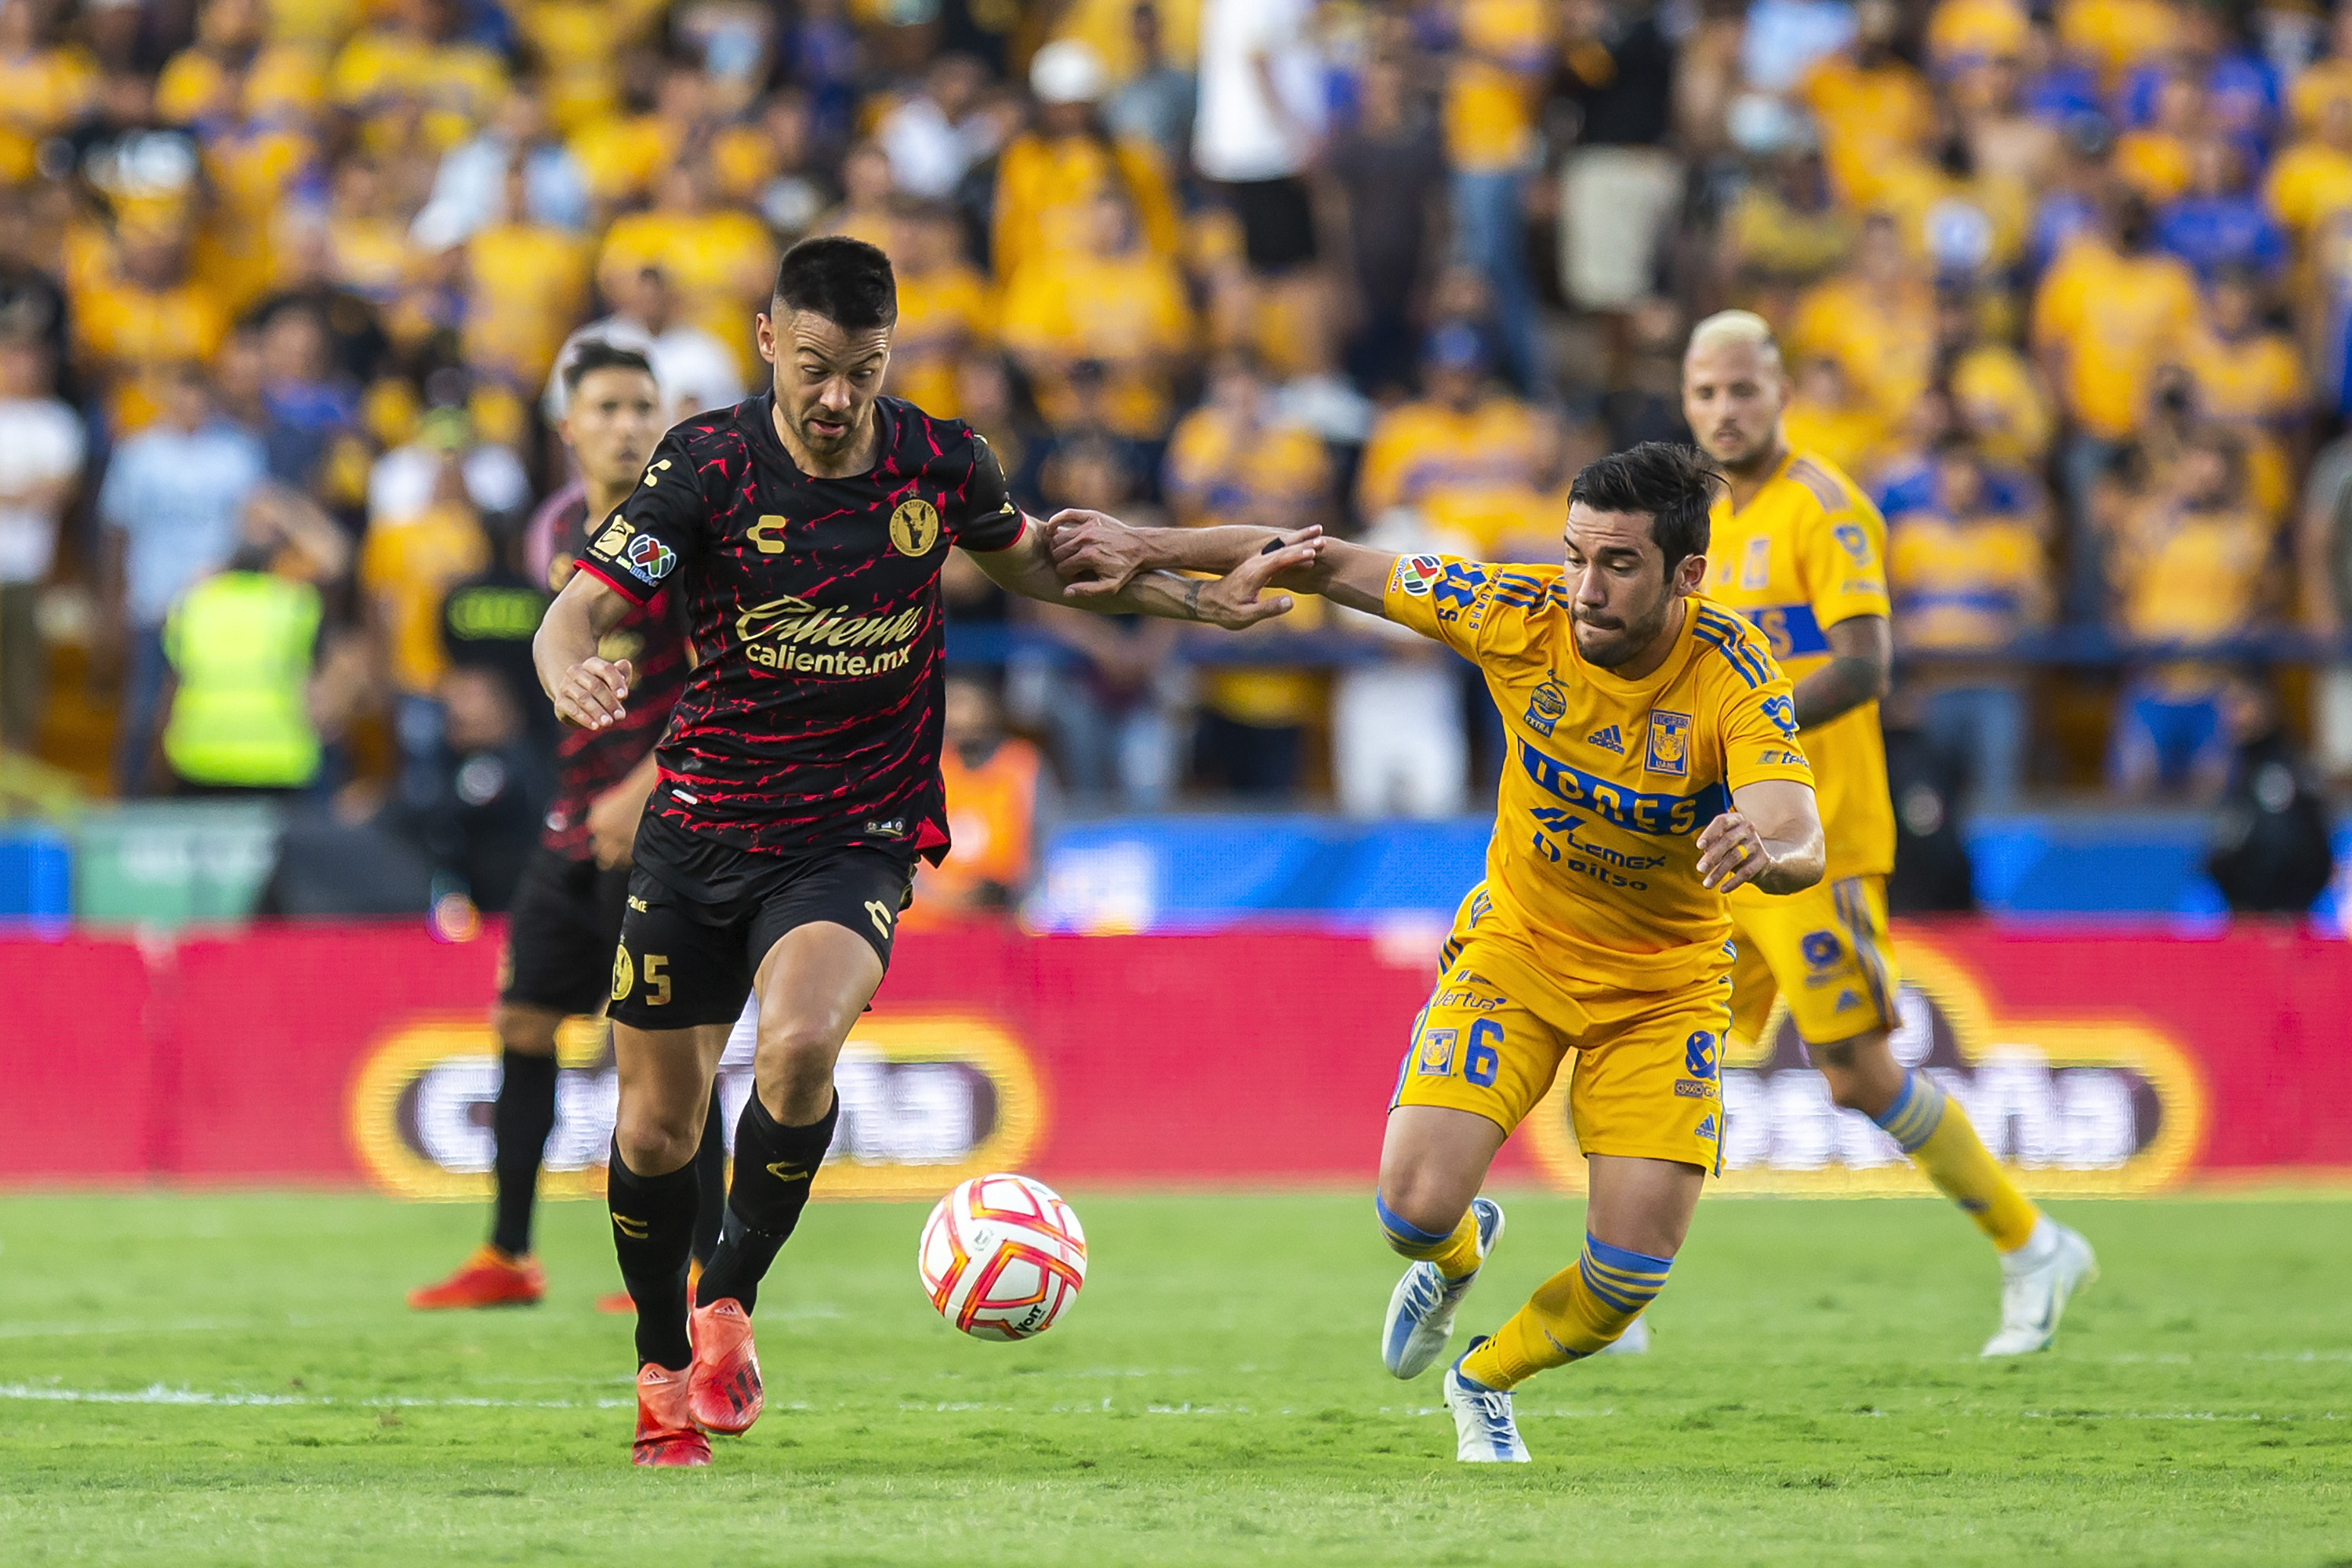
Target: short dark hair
846,281
597,354
1673,483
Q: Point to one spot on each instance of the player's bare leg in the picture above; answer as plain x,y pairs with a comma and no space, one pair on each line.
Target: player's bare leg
2043,1263
1433,1159
501,1272
811,987
653,1189
1637,1213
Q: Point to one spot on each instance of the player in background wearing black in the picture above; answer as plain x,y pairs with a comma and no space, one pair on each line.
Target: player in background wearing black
566,914
799,779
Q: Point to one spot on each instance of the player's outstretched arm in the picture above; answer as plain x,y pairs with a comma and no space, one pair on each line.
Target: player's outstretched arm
1771,836
1234,600
589,692
1099,555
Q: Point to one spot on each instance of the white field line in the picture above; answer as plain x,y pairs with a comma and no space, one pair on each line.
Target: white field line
160,1394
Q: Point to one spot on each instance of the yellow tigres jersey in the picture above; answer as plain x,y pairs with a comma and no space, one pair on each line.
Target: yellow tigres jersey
1809,551
1593,864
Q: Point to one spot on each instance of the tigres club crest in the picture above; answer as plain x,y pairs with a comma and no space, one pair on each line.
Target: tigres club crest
914,528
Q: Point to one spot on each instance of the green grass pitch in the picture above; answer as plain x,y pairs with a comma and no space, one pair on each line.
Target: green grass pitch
216,1379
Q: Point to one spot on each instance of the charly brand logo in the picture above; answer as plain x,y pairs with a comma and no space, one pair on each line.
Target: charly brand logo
2082,1107
914,528
793,635
927,1099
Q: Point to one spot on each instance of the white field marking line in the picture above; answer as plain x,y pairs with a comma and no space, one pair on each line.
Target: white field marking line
2159,1415
157,1394
182,1326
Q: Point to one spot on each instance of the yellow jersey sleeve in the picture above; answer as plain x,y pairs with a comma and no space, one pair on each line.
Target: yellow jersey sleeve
1464,603
1759,726
1841,549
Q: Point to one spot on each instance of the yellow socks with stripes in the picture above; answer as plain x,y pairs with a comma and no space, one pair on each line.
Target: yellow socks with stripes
1573,1314
1455,1254
1938,1135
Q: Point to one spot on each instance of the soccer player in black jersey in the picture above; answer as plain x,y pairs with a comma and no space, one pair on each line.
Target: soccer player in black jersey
566,914
799,779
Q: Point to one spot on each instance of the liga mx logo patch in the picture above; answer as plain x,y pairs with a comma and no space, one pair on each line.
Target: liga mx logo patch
1416,574
1669,748
650,558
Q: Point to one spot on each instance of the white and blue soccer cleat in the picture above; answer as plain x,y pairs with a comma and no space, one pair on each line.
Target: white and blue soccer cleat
1484,1432
1421,1309
2038,1279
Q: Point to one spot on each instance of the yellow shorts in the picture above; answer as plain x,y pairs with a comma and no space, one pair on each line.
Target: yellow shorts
1645,1079
1824,949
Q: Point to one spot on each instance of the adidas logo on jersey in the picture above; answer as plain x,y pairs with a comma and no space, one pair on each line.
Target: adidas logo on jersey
1608,739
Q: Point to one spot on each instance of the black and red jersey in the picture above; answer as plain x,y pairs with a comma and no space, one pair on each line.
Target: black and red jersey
652,638
814,717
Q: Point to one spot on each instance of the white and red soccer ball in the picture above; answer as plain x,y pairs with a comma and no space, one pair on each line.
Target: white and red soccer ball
1003,1257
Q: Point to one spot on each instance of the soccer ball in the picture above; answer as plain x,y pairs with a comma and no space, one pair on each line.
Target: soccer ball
1003,1257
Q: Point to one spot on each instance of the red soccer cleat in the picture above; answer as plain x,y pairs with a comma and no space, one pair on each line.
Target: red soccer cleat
666,1435
725,1380
488,1279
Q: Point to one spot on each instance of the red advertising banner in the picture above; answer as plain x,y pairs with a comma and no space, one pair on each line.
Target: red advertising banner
2095,1063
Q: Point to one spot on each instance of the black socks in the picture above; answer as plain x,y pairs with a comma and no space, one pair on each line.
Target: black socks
521,1119
710,1164
653,1231
774,1167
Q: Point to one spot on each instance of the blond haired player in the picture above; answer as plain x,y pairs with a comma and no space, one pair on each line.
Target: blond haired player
1801,553
1652,770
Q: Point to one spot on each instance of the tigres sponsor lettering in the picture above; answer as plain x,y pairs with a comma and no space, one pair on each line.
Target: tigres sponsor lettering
1636,811
783,633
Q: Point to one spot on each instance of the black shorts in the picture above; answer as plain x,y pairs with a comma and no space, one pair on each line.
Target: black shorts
1278,218
560,928
702,914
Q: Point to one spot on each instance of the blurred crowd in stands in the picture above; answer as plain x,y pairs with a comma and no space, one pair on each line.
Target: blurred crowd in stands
286,287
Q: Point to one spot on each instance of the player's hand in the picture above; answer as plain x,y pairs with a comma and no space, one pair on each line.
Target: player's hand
1096,553
594,693
1233,600
1731,853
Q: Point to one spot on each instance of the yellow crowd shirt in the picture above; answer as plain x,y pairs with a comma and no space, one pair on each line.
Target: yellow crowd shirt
1418,450
2307,182
529,287
721,262
2322,83
943,316
2190,576
1964,31
1121,309
1996,391
1044,187
2115,34
1886,348
2255,385
1963,585
1222,471
1608,783
1497,78
406,566
1807,553
1871,119
2116,318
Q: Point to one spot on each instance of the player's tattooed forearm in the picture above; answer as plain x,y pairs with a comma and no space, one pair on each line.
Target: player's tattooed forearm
1192,600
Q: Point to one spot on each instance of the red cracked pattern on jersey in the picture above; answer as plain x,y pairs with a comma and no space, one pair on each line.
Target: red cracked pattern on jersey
813,718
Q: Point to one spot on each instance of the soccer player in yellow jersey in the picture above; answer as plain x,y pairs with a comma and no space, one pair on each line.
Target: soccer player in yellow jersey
1800,553
1652,771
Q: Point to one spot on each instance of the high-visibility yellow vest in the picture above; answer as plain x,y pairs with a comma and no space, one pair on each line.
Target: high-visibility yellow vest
242,644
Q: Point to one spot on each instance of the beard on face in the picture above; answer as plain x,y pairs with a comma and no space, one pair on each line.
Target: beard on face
1622,637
